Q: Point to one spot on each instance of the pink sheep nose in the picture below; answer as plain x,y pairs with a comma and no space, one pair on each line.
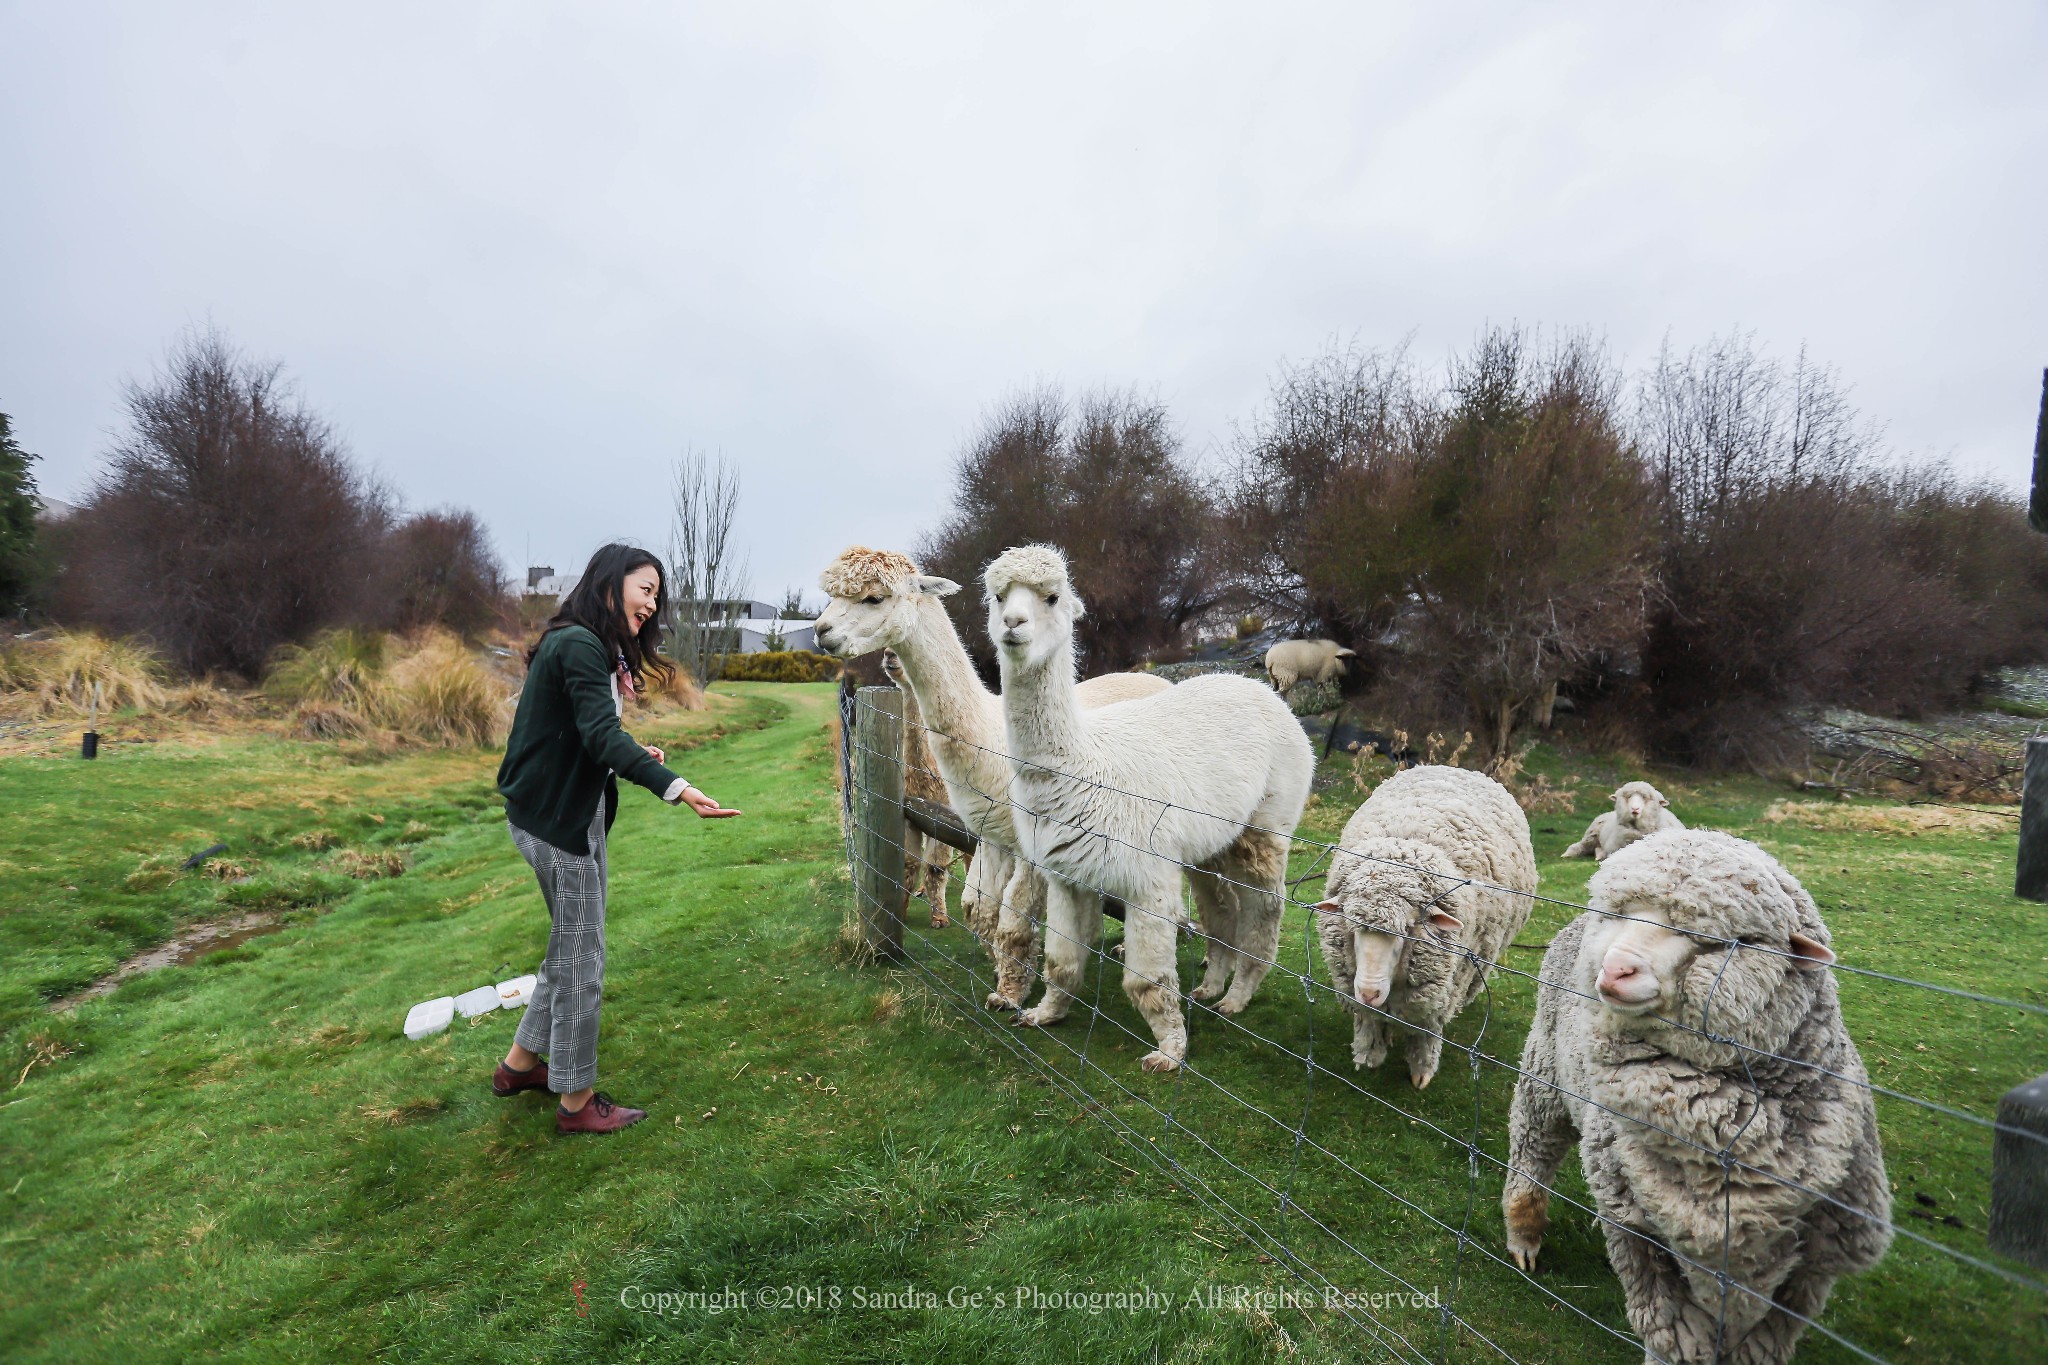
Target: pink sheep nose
1374,996
1623,980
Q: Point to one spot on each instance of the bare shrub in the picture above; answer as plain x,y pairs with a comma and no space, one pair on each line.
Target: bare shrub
439,570
1800,568
1103,478
228,520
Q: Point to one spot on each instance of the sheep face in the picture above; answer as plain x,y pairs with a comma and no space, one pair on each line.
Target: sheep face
876,597
1387,911
1031,606
1702,930
1636,804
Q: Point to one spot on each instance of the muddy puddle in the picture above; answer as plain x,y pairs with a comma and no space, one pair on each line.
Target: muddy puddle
191,943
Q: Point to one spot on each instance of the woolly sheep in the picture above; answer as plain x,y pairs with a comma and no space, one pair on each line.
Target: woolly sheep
1211,775
1394,917
1291,661
1686,1048
1640,810
881,600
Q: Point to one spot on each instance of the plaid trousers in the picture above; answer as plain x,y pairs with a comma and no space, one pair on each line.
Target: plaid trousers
561,1018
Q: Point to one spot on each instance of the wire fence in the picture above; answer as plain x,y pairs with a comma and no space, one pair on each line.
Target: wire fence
1364,1191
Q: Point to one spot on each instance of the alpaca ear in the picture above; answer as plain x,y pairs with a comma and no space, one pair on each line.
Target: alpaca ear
934,586
1809,954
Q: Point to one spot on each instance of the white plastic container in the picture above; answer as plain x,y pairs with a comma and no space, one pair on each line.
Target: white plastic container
429,1017
513,994
482,1000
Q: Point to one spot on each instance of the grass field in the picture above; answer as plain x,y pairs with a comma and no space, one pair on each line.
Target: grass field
244,1157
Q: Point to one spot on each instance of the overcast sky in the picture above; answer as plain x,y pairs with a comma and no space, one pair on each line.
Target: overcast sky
524,254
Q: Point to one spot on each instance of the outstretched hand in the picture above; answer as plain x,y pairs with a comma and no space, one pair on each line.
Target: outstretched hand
705,806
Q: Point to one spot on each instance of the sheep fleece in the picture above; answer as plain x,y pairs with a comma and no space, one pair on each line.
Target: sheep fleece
1473,821
1787,1120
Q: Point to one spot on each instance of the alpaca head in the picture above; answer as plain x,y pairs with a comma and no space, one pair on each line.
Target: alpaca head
876,596
1031,605
1636,804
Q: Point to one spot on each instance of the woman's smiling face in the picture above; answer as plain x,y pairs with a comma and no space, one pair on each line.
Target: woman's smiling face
640,589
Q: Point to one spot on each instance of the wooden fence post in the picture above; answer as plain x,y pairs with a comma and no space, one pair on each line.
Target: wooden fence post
878,831
2030,877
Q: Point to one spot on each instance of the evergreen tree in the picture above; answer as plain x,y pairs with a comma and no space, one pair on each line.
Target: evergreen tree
17,521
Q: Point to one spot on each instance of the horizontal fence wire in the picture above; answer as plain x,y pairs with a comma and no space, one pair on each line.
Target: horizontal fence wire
956,974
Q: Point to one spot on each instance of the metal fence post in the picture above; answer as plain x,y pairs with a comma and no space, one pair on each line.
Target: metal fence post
2030,878
878,838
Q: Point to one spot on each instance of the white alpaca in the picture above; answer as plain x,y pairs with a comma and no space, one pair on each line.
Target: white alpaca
881,601
1212,775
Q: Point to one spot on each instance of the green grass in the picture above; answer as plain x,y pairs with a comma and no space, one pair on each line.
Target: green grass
245,1158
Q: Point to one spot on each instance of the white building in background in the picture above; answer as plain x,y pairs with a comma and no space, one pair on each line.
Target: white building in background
758,633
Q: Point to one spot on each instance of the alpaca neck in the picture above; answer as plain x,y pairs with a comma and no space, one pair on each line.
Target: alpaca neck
950,694
1040,709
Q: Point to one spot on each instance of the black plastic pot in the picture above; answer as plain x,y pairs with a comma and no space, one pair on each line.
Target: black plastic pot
91,746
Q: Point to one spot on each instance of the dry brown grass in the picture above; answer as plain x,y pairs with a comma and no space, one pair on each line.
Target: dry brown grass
371,865
680,690
1902,820
61,672
439,694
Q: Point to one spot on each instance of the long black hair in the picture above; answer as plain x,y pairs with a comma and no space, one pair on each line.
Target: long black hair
597,603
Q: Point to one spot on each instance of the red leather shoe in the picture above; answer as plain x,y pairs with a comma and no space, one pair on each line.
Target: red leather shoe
601,1114
505,1082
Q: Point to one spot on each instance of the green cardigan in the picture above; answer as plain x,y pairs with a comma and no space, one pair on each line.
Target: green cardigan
566,743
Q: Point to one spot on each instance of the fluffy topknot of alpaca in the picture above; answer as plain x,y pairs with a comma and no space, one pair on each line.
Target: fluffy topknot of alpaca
1709,883
1041,568
860,572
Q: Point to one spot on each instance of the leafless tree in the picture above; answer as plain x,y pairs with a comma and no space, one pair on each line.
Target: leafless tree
229,518
1102,478
706,568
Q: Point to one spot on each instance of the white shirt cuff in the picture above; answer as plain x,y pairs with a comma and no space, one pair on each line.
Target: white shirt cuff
675,791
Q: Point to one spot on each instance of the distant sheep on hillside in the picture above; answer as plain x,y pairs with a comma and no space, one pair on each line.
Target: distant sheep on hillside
1293,661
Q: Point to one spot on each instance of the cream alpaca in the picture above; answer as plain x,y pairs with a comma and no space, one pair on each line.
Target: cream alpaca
1212,774
881,601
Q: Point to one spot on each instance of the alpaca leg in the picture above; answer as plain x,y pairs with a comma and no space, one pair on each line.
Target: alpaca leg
938,862
1259,864
1018,915
1152,976
1073,919
1216,907
982,893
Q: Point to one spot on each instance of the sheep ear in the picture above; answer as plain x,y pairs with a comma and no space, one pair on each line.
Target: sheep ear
1809,954
1328,907
1663,800
934,586
1444,919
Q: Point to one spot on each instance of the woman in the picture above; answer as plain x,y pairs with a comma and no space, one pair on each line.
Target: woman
560,797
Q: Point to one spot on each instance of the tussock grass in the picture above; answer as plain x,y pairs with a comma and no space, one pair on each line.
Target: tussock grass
1907,820
439,694
336,667
60,673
